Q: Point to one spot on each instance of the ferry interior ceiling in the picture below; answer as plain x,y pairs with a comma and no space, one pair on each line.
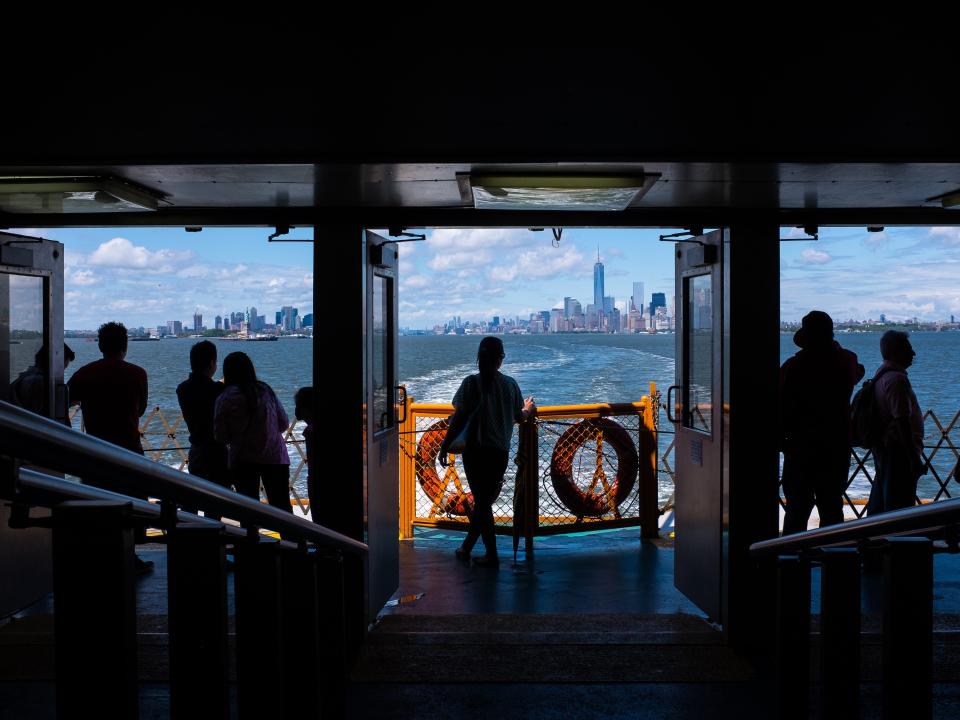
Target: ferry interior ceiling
637,528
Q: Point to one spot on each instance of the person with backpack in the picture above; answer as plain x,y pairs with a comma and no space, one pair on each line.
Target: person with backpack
487,406
815,388
897,443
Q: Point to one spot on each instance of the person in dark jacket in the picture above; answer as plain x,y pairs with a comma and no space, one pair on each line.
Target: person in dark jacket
815,388
197,396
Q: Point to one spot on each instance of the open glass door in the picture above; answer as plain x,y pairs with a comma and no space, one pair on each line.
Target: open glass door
31,376
696,404
382,500
31,324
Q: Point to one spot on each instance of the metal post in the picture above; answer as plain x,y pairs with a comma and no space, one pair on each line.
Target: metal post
95,620
649,510
408,471
301,640
532,486
840,633
793,636
260,671
907,686
197,608
332,628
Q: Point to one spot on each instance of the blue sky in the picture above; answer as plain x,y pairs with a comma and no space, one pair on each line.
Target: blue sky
146,276
851,273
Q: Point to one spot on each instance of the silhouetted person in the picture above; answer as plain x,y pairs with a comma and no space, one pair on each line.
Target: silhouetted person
815,388
29,390
501,406
111,392
898,458
303,410
197,396
112,395
250,419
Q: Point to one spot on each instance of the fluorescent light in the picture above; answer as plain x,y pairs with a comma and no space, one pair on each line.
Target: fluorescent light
555,192
950,201
46,195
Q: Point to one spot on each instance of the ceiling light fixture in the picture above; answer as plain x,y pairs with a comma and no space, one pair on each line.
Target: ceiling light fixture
83,194
503,191
950,201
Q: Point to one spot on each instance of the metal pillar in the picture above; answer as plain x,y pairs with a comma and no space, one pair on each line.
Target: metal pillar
793,636
197,608
257,589
95,619
907,686
840,633
301,638
335,654
751,361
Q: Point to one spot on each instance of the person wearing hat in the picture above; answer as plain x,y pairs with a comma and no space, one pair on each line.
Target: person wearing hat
815,388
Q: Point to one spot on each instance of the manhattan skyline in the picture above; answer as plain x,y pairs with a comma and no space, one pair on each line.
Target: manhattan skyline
147,276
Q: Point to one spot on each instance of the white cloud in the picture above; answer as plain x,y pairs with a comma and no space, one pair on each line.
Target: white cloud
797,233
475,239
194,271
458,260
950,235
814,257
79,277
121,253
875,240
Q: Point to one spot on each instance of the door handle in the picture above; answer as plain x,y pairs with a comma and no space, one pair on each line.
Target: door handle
402,401
670,405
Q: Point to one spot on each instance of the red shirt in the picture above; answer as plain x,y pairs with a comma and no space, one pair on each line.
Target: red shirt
113,395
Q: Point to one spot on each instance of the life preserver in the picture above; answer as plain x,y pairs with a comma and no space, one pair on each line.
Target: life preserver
455,502
593,504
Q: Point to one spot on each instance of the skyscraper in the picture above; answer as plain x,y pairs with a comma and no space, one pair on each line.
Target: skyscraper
197,321
598,282
217,323
657,300
637,297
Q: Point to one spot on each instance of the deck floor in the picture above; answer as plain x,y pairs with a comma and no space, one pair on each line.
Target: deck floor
603,572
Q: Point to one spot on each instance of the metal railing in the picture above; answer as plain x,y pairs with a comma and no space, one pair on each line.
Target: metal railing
941,453
900,545
294,629
575,467
166,440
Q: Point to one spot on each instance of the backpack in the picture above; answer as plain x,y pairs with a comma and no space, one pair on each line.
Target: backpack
865,427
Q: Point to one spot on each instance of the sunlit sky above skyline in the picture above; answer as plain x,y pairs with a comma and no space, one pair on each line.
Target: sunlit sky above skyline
146,276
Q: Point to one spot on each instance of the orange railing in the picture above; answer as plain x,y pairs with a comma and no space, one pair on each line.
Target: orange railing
575,467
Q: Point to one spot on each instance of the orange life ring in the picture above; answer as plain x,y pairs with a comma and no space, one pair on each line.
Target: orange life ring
593,504
456,502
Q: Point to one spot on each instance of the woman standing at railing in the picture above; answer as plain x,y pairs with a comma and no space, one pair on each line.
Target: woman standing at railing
491,403
250,419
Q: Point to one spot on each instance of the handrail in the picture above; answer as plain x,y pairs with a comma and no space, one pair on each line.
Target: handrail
925,517
40,489
554,411
48,443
